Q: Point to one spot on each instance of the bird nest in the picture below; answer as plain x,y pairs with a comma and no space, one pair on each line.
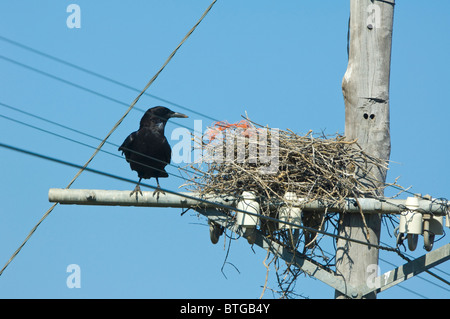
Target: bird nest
271,163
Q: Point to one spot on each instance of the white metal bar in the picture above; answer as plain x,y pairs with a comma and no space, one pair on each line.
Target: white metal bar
188,199
123,198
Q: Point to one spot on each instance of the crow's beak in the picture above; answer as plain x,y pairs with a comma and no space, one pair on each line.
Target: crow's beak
175,114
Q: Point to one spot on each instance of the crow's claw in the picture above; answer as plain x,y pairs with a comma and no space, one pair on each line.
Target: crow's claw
136,190
157,191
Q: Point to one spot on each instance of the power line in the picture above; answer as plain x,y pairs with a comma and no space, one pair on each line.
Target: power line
90,91
83,88
113,154
125,104
116,145
84,134
52,122
84,167
100,76
92,147
217,205
146,94
80,132
23,65
107,142
88,135
199,199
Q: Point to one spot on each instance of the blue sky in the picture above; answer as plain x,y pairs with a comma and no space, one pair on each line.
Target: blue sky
282,62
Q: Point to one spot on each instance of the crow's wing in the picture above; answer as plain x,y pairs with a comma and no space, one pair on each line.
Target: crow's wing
127,145
167,152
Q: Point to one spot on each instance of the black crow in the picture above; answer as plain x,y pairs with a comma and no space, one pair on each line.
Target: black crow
147,149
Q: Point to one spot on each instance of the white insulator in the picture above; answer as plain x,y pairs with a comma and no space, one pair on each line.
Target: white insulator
288,213
248,204
411,221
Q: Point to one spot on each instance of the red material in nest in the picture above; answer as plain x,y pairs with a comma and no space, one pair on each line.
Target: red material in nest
221,126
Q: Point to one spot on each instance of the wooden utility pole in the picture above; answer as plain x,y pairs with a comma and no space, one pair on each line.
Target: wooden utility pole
365,88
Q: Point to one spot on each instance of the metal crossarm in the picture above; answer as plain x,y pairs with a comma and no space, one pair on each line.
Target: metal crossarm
188,199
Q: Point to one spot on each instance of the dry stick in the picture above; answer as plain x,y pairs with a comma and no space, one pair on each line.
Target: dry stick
108,135
362,217
267,273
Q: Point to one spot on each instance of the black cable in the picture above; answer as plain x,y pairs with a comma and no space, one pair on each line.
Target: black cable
23,46
217,205
93,147
81,133
57,78
55,123
66,81
103,77
114,100
116,145
78,166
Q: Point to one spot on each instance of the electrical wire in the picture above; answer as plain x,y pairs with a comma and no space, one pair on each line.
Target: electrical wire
84,134
90,91
116,145
103,77
94,147
84,167
87,145
141,110
103,96
109,153
100,76
80,132
83,88
118,101
183,195
57,78
91,136
204,201
178,167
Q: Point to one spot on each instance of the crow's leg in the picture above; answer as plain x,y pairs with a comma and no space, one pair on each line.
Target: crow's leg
137,189
158,189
